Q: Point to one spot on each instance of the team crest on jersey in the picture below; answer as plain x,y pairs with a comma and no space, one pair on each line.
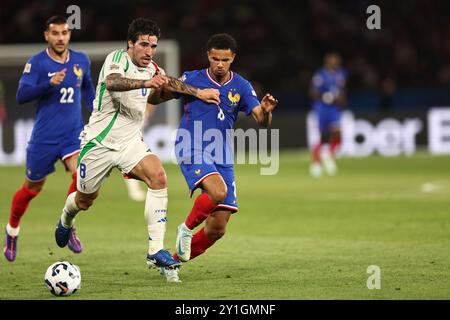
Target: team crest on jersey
197,171
234,98
79,73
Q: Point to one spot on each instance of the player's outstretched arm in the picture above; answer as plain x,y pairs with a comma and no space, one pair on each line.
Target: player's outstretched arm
115,82
263,113
158,96
207,95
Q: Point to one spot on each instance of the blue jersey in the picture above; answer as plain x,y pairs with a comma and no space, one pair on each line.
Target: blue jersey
329,85
327,82
58,114
211,124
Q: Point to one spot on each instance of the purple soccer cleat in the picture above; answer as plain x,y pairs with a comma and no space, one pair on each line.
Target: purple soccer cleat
67,236
74,243
10,247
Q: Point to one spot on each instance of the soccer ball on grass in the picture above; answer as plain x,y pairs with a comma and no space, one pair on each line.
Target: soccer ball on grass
63,278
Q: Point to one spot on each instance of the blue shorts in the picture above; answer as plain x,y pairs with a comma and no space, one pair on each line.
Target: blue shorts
196,173
329,117
41,158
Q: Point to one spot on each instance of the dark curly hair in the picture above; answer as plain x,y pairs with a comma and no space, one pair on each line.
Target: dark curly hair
222,41
142,26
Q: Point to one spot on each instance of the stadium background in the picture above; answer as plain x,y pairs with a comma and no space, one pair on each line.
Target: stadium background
400,72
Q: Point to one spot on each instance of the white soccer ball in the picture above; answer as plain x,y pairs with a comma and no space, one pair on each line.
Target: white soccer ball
63,278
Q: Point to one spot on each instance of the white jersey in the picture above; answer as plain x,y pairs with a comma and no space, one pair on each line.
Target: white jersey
118,116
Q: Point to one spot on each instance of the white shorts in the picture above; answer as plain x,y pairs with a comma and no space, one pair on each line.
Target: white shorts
96,161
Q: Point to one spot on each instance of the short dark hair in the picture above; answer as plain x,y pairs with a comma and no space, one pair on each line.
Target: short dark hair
57,19
222,41
141,26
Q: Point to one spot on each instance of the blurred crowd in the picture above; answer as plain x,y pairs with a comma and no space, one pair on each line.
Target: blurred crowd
280,42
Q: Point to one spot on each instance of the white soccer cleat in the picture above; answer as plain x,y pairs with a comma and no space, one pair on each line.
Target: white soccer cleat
171,274
330,165
135,192
183,244
315,170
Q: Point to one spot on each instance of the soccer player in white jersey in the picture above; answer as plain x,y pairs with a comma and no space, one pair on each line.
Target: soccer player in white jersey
113,137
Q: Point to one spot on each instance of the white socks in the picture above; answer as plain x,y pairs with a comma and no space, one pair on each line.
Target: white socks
70,210
155,213
13,232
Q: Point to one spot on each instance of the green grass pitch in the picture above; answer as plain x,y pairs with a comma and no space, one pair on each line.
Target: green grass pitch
294,237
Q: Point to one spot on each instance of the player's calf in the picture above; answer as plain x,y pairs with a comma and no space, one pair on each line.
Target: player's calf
214,233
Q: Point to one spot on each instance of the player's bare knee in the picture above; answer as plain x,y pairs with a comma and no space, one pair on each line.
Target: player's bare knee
159,179
84,203
218,194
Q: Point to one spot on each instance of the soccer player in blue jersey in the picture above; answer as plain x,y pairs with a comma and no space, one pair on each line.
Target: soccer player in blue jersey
329,95
58,78
213,174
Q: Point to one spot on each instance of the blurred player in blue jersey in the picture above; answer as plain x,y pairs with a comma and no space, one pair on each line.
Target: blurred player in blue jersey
328,93
57,78
213,174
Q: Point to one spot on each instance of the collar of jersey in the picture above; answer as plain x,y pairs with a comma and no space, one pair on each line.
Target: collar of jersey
215,82
67,60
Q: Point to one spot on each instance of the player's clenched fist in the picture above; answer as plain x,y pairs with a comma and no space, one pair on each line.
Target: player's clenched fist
156,82
209,95
58,77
